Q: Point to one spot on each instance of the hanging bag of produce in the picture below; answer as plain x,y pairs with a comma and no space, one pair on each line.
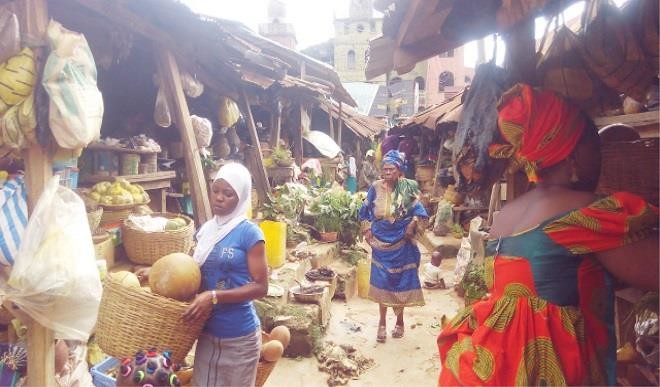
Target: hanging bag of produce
228,113
58,288
162,115
76,104
560,68
10,37
611,51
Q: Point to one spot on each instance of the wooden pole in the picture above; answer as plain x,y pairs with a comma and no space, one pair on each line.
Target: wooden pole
276,131
298,145
33,16
443,136
331,123
341,124
520,61
262,184
171,79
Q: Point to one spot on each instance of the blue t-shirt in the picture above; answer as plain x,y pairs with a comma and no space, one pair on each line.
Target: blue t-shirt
226,268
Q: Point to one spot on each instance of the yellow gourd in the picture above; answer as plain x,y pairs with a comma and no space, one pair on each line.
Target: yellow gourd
175,276
281,334
126,278
272,351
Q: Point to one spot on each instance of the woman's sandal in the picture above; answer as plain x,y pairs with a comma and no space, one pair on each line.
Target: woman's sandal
397,332
381,336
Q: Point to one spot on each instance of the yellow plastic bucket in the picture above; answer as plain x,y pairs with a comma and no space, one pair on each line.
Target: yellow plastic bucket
363,277
275,235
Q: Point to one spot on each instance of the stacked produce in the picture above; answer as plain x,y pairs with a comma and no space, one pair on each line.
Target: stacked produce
274,343
120,192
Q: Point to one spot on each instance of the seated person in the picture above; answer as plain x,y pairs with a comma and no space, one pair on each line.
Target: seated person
432,273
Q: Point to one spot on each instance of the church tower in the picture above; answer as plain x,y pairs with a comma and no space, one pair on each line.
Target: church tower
277,28
360,9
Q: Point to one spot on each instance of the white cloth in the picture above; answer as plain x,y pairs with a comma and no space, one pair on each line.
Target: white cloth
432,274
214,230
352,167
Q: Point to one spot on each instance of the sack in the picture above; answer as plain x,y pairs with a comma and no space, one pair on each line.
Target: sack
228,113
69,77
13,203
562,70
642,17
463,259
203,131
191,86
444,218
54,278
162,115
10,36
611,51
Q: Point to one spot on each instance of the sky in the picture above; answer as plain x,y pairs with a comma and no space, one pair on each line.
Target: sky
313,20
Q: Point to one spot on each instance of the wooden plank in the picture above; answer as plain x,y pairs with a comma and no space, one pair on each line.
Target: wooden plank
147,177
104,147
262,184
634,120
341,123
171,79
521,51
331,124
276,130
438,163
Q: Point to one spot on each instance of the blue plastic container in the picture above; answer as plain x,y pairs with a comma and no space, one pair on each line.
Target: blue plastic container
99,378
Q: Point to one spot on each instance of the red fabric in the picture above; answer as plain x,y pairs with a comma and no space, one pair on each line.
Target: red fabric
542,128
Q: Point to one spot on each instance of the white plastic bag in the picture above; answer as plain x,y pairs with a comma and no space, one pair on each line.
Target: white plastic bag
54,278
203,130
69,77
162,115
191,86
463,258
10,36
13,204
228,113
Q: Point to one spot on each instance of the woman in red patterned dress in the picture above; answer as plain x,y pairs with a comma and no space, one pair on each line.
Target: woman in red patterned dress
548,319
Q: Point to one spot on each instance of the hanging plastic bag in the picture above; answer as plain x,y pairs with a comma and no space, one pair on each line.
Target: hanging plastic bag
54,278
203,130
10,36
444,218
228,113
191,86
162,115
13,203
69,77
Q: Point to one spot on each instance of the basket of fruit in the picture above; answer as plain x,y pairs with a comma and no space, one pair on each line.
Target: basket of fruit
146,247
132,317
118,195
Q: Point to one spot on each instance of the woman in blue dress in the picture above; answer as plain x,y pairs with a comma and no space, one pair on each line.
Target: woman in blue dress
390,216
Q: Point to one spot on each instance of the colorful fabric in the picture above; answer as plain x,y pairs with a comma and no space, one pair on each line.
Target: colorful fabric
389,143
395,260
541,129
394,157
549,317
227,362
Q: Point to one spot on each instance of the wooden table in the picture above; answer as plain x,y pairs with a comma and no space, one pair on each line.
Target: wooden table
161,181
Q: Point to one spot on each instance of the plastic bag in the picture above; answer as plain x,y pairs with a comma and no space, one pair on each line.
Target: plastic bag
10,36
69,77
228,113
191,86
203,130
17,76
13,203
444,218
162,115
54,278
463,258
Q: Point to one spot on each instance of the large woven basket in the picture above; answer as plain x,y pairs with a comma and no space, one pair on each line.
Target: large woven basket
147,247
94,218
263,372
132,319
630,166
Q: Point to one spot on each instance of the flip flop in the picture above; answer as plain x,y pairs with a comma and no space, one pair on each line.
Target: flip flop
397,332
381,336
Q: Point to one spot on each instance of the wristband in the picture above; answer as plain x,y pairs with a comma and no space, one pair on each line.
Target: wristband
214,297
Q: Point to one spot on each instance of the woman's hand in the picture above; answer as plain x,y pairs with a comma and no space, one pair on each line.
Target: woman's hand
367,234
410,230
143,274
201,306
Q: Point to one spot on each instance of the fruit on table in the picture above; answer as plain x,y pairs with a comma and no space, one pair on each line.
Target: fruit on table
272,351
175,276
119,192
126,278
281,334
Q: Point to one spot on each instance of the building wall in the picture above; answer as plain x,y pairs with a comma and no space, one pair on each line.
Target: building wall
353,35
452,64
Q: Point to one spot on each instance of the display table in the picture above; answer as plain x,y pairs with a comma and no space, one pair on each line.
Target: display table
161,181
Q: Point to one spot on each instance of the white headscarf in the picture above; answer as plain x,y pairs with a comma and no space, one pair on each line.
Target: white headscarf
214,230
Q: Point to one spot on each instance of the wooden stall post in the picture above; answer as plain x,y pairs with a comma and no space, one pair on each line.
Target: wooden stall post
171,79
438,163
331,124
341,123
298,142
261,178
33,15
276,130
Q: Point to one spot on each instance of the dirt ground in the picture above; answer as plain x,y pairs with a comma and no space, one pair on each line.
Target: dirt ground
409,361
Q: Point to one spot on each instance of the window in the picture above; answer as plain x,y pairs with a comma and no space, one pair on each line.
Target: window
350,60
447,54
360,28
445,79
420,83
395,80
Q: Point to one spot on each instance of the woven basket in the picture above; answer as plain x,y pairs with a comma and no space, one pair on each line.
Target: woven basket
132,319
114,216
630,166
147,247
94,218
263,372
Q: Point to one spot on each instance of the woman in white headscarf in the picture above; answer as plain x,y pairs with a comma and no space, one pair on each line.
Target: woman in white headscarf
231,255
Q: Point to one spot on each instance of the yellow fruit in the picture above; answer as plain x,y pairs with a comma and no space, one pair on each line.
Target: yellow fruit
281,334
95,196
126,278
175,276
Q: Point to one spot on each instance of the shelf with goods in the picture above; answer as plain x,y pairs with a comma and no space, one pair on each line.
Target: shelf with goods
647,124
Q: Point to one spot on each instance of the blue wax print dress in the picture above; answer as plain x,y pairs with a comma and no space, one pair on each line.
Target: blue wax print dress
395,260
228,350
